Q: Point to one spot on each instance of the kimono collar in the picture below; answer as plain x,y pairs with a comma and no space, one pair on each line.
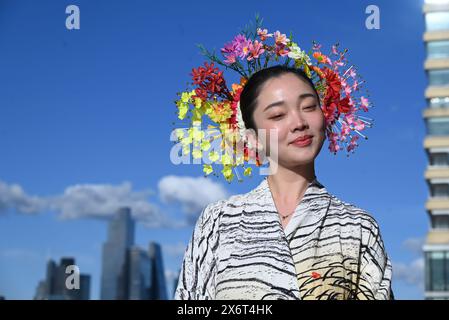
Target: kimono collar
313,186
313,205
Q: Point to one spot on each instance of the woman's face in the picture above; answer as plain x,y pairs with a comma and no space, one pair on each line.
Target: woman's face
289,105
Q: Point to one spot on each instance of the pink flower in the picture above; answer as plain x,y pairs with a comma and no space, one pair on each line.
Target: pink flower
242,45
230,59
263,34
282,50
239,47
345,129
333,146
349,118
255,50
359,125
229,51
334,49
280,39
316,46
352,73
352,143
364,103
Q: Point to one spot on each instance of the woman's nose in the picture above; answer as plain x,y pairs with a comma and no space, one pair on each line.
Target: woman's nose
298,122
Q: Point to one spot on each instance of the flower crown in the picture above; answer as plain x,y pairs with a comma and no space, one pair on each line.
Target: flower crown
254,49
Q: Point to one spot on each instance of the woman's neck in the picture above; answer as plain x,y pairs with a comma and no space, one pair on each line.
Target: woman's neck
289,184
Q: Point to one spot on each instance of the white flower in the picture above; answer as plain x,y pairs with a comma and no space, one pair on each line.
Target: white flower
240,122
298,54
241,126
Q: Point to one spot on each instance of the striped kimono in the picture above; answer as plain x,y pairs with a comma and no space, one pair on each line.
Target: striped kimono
330,249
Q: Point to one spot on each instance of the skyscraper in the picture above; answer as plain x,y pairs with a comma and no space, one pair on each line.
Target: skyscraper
120,238
436,144
158,288
139,269
55,287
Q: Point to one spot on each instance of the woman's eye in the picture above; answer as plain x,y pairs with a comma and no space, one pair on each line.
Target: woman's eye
310,107
277,116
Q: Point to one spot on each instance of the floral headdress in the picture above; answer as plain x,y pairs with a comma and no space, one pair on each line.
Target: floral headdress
336,82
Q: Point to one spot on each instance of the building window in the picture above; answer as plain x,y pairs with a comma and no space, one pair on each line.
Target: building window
440,190
439,102
437,271
437,21
440,221
438,77
438,49
438,126
439,159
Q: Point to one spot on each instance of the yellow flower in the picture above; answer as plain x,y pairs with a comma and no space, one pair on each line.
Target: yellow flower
205,145
226,159
185,97
207,168
213,156
179,134
197,153
247,171
198,103
182,110
220,112
197,134
227,172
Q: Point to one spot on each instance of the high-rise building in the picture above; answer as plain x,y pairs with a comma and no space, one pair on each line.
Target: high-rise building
120,238
55,286
158,288
139,267
436,144
128,271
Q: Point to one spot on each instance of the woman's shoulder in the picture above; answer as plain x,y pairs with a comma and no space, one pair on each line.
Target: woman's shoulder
348,212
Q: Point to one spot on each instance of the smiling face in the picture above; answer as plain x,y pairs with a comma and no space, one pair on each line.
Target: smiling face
289,105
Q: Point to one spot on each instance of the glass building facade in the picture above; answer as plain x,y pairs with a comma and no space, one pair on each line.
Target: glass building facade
158,288
54,286
128,272
120,239
436,144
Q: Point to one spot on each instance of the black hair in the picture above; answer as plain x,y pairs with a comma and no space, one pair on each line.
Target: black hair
251,90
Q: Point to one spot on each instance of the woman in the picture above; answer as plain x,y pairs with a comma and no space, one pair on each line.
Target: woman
288,238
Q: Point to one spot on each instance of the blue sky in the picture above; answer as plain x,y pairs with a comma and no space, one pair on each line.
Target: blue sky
88,112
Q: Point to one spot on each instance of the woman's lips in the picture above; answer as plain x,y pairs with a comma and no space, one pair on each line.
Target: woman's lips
303,142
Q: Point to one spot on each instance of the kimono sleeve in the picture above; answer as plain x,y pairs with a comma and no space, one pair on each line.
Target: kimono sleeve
375,269
197,275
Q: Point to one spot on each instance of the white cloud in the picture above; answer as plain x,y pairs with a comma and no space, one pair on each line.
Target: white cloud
192,193
103,200
14,198
411,273
88,201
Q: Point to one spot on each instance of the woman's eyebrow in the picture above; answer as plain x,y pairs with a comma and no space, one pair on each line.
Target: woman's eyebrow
281,102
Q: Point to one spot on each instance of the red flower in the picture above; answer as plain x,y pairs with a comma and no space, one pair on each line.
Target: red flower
344,106
210,82
334,84
315,275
